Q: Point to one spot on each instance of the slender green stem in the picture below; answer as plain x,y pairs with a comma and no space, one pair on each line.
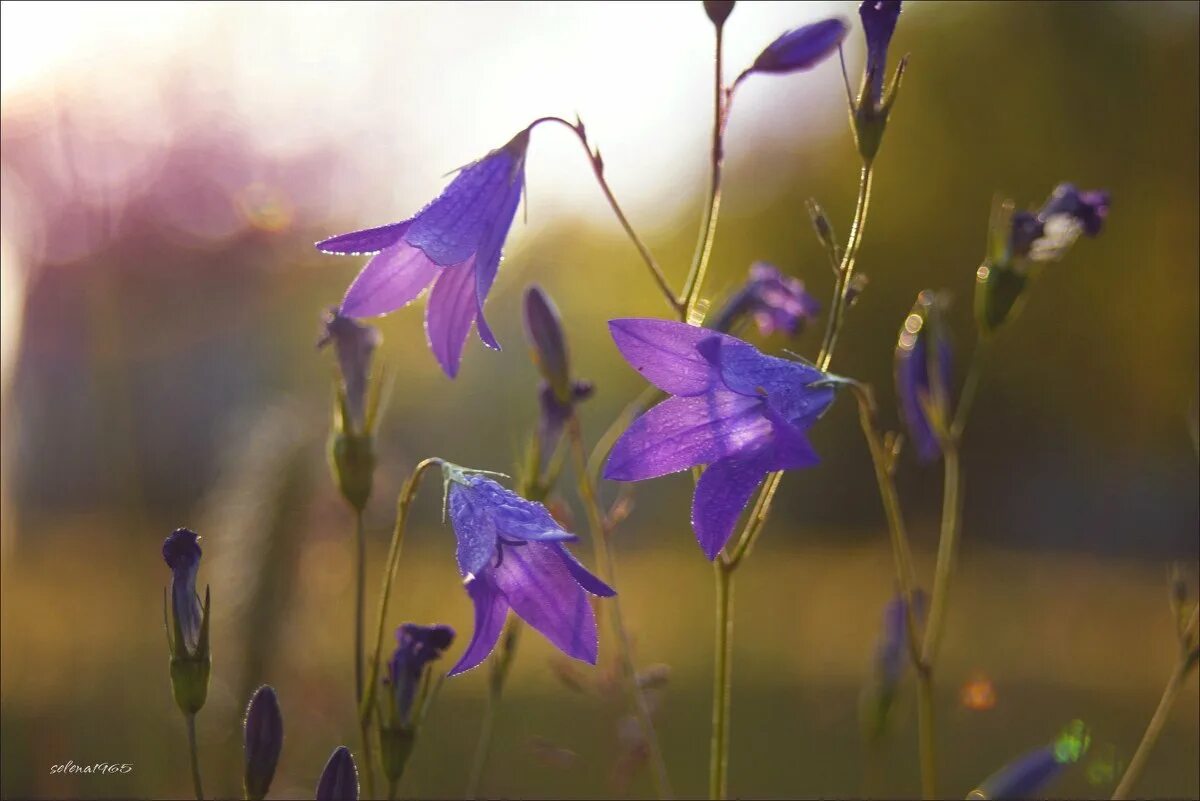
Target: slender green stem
947,550
837,312
718,771
360,593
926,734
194,755
391,790
1187,661
970,389
484,746
606,565
694,284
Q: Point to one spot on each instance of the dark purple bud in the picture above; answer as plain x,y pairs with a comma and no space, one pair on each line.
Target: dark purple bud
181,551
339,780
800,49
353,343
416,647
543,328
718,10
263,742
922,371
879,23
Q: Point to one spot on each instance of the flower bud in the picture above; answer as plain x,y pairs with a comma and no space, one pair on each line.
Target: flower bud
799,49
353,343
543,328
870,112
187,631
1030,774
352,461
408,693
889,664
339,779
718,10
263,731
922,370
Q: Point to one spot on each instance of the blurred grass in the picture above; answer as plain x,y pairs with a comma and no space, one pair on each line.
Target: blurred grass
1094,642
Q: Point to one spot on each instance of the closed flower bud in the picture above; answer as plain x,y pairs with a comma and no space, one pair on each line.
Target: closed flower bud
1029,775
718,10
870,112
408,691
351,445
187,631
799,49
543,328
263,742
339,780
922,367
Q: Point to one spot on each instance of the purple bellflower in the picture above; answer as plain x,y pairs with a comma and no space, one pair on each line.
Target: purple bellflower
187,629
339,779
454,243
263,742
511,556
416,647
799,49
776,302
558,393
353,344
922,366
879,23
1029,775
741,413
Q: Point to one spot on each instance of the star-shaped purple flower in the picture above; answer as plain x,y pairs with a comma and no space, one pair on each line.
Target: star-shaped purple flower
741,413
511,556
454,243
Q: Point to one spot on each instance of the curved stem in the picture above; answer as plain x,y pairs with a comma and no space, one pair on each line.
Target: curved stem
606,565
718,770
598,169
1187,661
194,756
694,284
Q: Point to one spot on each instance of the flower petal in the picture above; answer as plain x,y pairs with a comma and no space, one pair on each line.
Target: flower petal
787,384
801,48
683,432
368,240
450,313
664,352
541,589
511,516
491,609
391,279
721,495
584,577
473,529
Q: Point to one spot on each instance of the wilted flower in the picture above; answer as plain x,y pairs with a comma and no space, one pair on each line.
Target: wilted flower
511,555
799,49
455,243
776,301
1028,776
922,367
263,742
353,344
187,632
339,779
741,413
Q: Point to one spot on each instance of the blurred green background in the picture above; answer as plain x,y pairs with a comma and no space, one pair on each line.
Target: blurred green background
165,174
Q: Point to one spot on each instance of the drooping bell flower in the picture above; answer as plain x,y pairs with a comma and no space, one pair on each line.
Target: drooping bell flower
339,779
741,413
263,742
187,631
1028,776
511,556
454,243
922,367
799,49
775,301
1020,241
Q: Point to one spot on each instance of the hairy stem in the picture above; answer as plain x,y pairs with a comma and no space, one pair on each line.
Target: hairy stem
194,756
606,565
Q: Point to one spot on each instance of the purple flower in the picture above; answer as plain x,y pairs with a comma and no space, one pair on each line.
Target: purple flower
181,552
339,779
799,49
558,393
416,647
879,23
1029,775
1067,214
891,653
916,389
263,742
353,343
741,413
776,301
455,243
511,555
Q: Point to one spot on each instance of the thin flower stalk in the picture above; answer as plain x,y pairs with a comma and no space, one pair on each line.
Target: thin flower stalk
194,756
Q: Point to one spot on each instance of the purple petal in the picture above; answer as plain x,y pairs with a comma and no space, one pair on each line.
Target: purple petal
721,494
879,23
455,225
787,384
584,577
511,516
491,248
683,432
491,609
391,279
790,448
540,588
450,313
368,240
802,48
664,352
473,530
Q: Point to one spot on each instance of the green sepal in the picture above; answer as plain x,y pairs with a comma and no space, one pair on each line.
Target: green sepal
190,672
